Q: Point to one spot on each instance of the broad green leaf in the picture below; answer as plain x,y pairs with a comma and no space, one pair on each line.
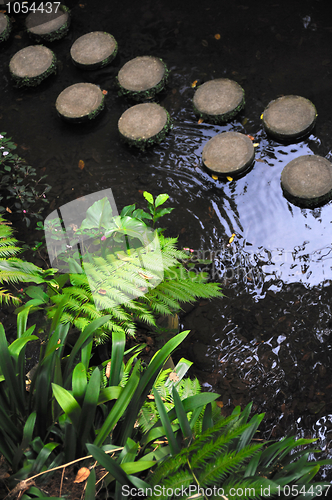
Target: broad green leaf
90,404
99,215
79,382
108,462
207,418
161,198
17,397
109,393
68,403
182,416
118,347
119,407
148,197
134,467
43,456
166,424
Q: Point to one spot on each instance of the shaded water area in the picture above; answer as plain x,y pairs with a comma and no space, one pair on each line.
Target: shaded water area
269,339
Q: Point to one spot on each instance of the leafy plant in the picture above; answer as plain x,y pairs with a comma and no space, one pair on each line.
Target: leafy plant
107,276
14,270
20,191
226,458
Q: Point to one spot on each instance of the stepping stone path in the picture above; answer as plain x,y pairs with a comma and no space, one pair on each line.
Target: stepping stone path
144,124
228,153
307,180
218,100
48,26
5,27
80,102
289,117
31,65
94,50
142,77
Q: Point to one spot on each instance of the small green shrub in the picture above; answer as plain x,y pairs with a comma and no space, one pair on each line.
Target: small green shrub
20,190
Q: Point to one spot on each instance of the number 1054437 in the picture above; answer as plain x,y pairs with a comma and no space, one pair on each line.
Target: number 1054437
24,8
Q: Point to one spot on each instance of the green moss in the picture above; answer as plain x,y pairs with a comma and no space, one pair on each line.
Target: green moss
98,110
225,117
142,144
6,32
145,94
54,35
35,80
100,64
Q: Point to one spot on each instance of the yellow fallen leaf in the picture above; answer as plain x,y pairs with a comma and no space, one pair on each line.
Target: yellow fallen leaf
256,144
81,164
229,178
8,210
82,475
193,85
200,121
215,177
262,116
231,239
217,36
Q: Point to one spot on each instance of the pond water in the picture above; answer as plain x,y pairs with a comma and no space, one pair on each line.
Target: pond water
269,339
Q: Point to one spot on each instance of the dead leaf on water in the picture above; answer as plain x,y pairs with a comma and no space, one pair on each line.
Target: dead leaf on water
82,475
200,121
81,164
215,177
229,178
217,36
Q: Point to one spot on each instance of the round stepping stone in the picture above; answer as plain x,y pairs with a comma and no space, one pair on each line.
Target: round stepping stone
48,26
5,27
218,100
228,153
289,117
31,65
307,180
144,124
142,77
80,102
94,50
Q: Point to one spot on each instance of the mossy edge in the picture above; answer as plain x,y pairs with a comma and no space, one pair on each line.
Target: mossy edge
102,63
223,117
142,144
145,94
35,80
85,118
6,32
54,35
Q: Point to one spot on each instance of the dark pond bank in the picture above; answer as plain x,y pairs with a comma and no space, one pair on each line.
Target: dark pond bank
269,339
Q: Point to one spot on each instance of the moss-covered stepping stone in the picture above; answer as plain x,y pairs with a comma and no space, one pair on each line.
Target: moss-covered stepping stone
94,50
49,25
307,180
80,102
5,27
218,100
228,153
144,124
289,117
142,77
31,65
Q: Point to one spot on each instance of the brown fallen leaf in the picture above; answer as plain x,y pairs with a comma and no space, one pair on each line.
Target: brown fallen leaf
200,121
220,404
108,370
82,475
8,210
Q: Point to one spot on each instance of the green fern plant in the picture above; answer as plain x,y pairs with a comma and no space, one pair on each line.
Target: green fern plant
226,461
110,280
14,270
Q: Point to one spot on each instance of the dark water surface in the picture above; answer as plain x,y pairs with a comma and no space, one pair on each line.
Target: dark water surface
269,340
